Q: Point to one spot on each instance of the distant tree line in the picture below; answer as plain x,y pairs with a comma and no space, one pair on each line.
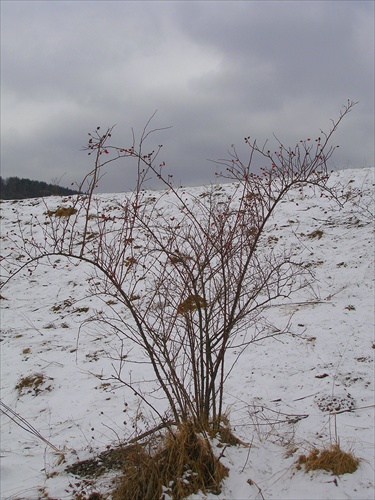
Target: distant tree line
13,188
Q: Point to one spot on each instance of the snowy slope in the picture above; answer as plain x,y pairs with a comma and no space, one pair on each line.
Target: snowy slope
278,396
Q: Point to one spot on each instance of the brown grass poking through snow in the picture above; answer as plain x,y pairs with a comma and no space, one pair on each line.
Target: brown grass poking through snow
318,233
332,459
62,212
33,384
185,464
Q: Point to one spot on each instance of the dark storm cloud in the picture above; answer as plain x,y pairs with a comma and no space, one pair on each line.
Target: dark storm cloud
216,71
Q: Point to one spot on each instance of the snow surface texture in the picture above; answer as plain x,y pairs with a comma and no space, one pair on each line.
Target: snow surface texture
278,397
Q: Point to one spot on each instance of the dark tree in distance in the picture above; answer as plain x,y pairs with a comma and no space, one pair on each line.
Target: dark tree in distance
14,188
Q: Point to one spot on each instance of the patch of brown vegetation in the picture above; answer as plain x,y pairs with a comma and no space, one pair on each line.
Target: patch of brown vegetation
184,465
190,304
32,383
62,212
332,459
318,233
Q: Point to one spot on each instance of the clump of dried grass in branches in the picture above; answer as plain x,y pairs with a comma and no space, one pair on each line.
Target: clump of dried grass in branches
332,459
183,465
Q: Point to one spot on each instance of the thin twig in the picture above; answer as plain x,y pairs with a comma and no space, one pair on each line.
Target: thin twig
163,425
248,454
350,410
25,425
251,482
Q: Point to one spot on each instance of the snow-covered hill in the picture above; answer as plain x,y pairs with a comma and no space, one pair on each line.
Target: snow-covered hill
56,376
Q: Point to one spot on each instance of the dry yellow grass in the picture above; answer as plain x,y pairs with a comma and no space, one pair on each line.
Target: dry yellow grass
190,304
332,459
62,212
185,464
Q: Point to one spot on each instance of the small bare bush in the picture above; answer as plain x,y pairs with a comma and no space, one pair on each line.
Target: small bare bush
194,286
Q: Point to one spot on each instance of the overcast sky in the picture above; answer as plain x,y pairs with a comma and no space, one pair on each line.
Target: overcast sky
216,71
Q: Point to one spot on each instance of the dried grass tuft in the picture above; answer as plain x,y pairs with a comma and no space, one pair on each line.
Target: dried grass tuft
332,459
62,212
32,383
318,233
184,465
190,304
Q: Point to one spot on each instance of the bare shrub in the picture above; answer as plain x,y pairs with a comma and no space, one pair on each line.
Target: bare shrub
195,285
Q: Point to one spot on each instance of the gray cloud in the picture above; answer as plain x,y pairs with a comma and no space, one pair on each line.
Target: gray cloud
216,71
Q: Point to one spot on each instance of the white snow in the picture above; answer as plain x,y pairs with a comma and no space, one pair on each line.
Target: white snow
278,396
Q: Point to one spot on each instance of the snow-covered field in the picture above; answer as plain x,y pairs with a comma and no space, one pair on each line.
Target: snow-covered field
278,397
